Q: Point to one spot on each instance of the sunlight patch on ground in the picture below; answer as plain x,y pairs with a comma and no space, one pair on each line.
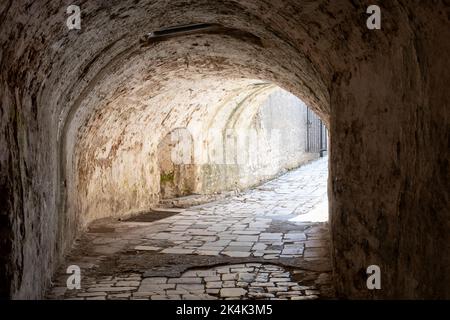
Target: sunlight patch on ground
317,214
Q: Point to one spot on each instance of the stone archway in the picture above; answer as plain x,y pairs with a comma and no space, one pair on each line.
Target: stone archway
177,170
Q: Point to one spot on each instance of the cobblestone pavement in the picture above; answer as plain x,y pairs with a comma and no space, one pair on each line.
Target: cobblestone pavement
254,245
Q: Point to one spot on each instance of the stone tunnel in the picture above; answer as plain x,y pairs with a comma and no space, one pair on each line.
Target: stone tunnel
90,118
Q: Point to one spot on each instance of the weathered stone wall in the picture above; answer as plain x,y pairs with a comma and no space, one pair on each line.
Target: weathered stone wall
391,118
262,137
75,104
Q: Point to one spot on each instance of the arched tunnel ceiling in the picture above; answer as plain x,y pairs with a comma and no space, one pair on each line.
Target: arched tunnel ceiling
145,71
119,44
143,92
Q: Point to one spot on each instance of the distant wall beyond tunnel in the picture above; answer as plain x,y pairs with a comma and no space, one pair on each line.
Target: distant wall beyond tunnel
259,140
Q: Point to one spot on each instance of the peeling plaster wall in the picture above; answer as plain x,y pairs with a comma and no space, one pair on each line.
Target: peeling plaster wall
382,93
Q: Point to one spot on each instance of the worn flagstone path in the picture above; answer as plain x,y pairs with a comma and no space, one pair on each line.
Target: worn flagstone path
253,245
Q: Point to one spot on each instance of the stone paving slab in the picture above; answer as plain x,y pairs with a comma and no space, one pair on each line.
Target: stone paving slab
249,225
255,281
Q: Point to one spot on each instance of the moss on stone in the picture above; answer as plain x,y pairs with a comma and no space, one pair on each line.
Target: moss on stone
167,177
